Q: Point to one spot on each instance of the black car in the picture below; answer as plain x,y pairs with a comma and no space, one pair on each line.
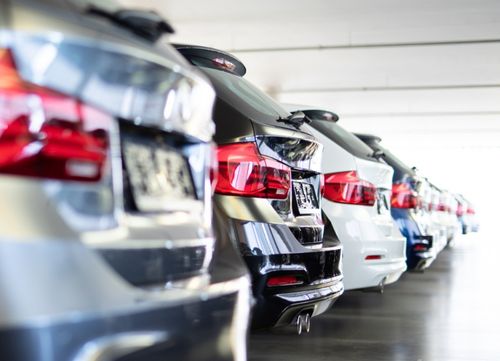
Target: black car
107,250
269,192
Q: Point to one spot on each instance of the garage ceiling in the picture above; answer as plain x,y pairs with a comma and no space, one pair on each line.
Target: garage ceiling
425,75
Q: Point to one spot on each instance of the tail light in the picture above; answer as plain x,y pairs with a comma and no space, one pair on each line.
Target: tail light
346,187
47,134
284,280
471,211
404,197
373,257
443,207
244,172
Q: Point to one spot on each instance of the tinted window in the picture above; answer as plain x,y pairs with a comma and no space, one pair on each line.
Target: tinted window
343,138
401,170
244,96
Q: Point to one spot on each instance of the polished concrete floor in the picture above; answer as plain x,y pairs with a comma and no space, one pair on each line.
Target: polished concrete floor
449,313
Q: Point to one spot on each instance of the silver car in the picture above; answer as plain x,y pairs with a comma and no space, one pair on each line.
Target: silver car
107,250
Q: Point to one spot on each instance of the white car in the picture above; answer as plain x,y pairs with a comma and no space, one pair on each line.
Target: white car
426,216
447,215
357,197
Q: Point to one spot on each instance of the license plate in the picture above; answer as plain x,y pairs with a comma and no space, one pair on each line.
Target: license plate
305,197
157,174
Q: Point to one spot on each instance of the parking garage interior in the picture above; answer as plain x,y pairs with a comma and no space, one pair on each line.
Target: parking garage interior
423,76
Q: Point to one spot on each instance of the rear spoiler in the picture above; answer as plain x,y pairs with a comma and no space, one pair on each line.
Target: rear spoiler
312,113
212,58
368,137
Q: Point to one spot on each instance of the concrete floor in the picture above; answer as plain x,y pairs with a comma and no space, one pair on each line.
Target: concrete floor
449,313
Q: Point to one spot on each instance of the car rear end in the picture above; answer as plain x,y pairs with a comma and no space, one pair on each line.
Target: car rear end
357,204
470,214
406,208
106,248
446,210
268,190
462,215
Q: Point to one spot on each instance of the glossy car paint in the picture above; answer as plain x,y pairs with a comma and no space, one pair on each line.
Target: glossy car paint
412,224
448,217
272,236
363,230
85,274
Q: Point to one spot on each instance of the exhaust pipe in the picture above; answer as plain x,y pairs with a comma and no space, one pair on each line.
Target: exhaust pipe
298,324
381,285
307,322
378,288
303,323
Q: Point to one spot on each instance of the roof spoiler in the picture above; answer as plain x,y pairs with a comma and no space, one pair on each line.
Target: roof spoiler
368,137
312,113
212,58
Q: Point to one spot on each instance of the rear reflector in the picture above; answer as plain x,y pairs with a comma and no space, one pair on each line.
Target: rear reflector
47,134
244,172
372,257
420,247
346,187
285,280
404,197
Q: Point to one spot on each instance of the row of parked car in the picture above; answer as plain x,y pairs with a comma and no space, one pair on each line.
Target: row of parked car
154,199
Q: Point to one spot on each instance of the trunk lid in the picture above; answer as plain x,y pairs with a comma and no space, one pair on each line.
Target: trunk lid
137,214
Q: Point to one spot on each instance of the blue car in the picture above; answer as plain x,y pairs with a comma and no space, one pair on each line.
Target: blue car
407,208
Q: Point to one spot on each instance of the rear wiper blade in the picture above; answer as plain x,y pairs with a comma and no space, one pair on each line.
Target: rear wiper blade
147,24
296,119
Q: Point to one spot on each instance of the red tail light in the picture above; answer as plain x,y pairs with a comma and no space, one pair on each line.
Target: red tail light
404,197
373,257
471,211
346,187
47,134
443,207
284,280
244,172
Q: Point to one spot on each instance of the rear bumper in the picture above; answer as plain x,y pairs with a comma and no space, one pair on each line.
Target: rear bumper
60,301
196,330
271,249
413,232
281,309
373,273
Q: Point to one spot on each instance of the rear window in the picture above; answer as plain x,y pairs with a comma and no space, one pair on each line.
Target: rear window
343,138
401,170
243,95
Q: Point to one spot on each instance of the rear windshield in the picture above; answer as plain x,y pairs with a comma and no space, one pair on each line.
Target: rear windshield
241,94
343,138
400,168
